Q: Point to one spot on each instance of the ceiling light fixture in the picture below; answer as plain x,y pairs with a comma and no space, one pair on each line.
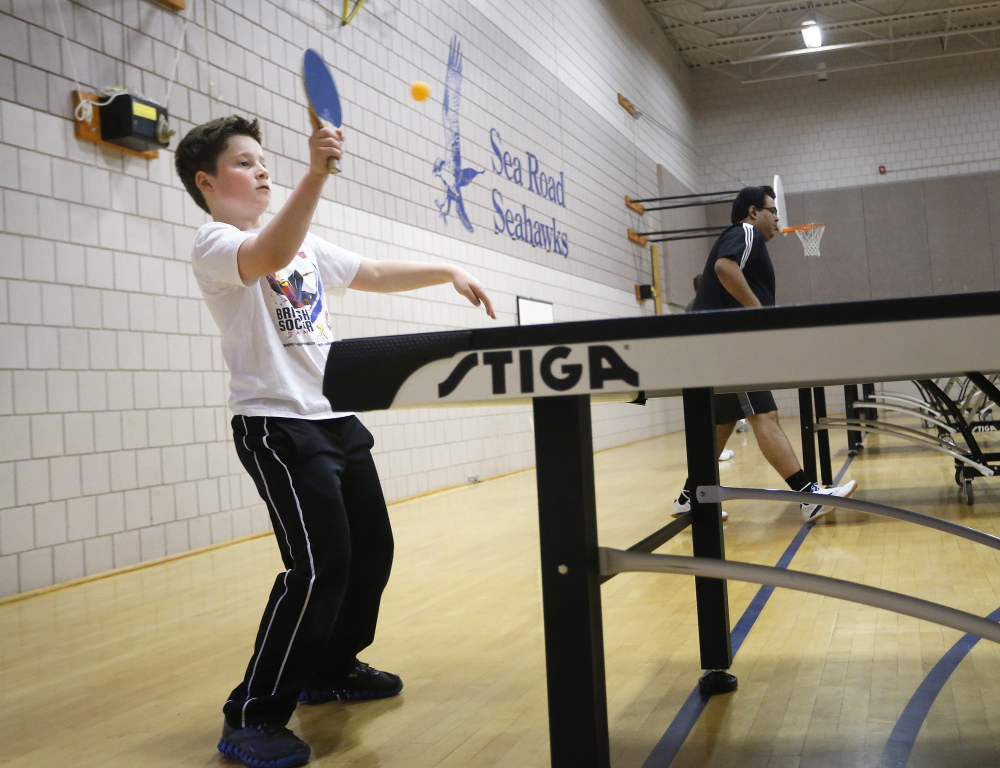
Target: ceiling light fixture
812,34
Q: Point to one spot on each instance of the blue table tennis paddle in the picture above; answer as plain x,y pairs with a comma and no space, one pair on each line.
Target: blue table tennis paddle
322,94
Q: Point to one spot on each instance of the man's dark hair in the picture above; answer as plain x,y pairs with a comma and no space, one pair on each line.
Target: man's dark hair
200,150
749,196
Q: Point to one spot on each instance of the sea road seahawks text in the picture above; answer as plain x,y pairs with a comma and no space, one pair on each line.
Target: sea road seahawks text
522,225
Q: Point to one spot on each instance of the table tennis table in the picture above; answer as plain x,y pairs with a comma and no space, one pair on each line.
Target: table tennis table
562,367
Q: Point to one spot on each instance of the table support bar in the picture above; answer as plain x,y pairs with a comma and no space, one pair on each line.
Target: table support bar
619,561
722,493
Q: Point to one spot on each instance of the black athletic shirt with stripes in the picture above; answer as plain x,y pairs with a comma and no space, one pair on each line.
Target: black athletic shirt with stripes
745,245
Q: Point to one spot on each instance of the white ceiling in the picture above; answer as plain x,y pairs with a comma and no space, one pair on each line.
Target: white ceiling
755,41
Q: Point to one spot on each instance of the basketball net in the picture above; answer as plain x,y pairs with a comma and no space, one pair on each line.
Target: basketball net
810,235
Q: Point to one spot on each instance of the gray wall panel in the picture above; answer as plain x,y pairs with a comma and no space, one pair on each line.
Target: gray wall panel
791,268
718,215
958,234
791,271
682,259
993,205
841,271
909,238
896,234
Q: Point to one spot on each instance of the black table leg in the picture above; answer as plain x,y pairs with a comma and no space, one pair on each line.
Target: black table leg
868,391
808,429
706,539
854,443
571,595
823,438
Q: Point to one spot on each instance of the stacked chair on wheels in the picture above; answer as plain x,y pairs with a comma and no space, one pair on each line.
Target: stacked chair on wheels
951,412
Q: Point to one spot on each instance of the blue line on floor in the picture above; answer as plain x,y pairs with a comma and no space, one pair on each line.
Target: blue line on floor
897,749
666,750
670,743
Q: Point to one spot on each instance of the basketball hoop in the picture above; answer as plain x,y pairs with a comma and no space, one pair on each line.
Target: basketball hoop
810,235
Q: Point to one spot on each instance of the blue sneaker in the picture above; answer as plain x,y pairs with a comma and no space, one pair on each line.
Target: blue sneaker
361,683
263,746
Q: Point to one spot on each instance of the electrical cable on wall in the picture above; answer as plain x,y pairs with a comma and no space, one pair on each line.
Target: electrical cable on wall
177,57
637,114
85,109
691,146
883,170
163,127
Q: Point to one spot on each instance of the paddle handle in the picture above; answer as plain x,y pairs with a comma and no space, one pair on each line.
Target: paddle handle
332,163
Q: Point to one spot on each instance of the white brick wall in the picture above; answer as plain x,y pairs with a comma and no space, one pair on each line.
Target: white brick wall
922,120
115,444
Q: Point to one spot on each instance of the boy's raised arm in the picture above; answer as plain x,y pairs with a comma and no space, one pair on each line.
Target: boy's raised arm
278,242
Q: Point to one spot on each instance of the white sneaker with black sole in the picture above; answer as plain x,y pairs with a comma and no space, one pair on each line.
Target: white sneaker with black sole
812,512
683,505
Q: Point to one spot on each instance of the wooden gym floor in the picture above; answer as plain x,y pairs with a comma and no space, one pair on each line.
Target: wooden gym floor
132,669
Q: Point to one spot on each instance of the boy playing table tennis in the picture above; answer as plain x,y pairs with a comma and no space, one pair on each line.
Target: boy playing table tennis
267,288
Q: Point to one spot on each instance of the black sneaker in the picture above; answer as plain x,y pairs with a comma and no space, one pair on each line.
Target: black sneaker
263,746
361,683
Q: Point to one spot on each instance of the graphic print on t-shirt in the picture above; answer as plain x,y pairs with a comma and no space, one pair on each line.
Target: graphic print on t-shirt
297,293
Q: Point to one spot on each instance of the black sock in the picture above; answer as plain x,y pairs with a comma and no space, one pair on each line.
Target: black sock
686,493
799,481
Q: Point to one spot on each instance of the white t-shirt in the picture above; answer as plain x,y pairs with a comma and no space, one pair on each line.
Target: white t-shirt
276,329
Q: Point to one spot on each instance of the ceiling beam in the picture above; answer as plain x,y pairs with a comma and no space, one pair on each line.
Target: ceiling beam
775,7
866,44
812,73
859,24
741,11
658,5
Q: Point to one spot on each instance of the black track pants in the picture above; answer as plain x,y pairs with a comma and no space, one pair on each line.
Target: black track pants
321,488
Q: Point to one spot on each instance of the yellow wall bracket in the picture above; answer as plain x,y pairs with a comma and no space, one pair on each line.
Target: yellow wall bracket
654,252
636,238
626,105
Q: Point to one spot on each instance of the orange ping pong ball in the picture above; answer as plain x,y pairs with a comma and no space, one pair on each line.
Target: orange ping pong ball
419,90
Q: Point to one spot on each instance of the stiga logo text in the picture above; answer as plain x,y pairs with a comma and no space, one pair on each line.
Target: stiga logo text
556,369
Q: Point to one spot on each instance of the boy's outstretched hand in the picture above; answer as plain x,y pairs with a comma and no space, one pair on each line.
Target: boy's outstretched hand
473,290
325,142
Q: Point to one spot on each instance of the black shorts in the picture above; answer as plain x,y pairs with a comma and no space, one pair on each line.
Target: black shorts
733,406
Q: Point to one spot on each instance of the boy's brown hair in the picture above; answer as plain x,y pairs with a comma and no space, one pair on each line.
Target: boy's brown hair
200,150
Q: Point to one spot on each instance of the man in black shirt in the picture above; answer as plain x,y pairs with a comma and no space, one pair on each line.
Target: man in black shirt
739,274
